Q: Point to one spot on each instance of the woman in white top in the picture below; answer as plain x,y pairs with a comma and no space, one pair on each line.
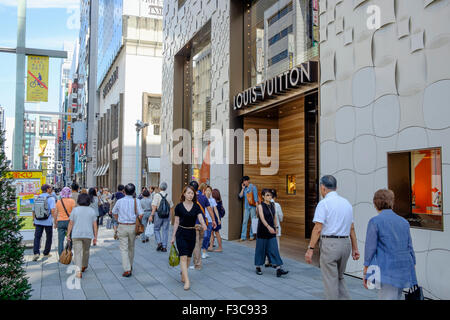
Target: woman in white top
94,205
279,214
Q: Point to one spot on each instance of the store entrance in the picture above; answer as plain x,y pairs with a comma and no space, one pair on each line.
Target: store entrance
296,179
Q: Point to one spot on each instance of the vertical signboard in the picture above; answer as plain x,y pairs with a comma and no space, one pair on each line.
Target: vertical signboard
37,79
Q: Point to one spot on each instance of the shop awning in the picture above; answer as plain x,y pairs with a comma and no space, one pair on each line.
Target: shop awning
104,169
97,172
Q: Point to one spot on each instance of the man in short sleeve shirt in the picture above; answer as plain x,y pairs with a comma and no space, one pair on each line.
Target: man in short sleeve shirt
46,224
334,226
125,211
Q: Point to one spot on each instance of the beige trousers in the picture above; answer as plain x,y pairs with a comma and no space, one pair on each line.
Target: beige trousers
81,248
198,246
334,254
127,237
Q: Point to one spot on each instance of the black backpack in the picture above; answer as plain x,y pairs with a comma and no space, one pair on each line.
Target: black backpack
164,208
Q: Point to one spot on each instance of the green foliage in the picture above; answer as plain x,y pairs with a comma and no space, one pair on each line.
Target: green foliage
13,281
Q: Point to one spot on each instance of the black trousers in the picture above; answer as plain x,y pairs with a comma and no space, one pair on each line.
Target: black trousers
37,239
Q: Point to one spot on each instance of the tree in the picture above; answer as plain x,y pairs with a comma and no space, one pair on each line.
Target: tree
13,281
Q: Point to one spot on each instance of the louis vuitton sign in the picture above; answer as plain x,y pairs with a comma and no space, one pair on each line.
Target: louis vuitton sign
305,73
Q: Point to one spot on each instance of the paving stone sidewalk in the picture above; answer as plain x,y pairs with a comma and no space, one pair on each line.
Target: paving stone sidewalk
226,275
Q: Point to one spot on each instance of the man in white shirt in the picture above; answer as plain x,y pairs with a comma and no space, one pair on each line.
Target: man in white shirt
161,223
125,211
334,225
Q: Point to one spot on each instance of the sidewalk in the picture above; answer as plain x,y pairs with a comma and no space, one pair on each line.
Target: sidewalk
226,275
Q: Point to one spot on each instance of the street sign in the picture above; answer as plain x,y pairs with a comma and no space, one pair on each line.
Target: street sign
37,79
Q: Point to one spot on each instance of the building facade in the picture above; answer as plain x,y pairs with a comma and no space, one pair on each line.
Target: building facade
248,72
385,120
129,89
40,143
375,117
65,88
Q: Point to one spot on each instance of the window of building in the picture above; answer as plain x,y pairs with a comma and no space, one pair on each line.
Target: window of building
279,57
279,35
181,3
416,178
201,106
156,130
280,14
153,115
197,103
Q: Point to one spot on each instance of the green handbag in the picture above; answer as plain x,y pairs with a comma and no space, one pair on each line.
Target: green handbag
174,258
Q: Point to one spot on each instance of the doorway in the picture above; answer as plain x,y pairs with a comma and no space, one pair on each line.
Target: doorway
296,181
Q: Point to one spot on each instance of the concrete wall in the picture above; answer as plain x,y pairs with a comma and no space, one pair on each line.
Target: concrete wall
180,26
386,90
143,74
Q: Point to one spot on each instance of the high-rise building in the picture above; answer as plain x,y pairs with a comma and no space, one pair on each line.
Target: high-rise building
66,88
129,85
41,136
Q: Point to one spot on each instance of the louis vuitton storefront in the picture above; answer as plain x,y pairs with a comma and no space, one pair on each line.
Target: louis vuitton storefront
254,77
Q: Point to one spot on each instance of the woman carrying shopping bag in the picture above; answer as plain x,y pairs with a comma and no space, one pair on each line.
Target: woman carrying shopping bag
186,214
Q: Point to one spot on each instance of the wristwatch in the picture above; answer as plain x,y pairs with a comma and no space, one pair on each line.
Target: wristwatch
309,247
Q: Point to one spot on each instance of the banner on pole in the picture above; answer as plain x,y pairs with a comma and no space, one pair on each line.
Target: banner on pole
42,147
37,79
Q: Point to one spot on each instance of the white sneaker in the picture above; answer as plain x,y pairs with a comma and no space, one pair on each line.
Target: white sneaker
36,257
192,267
204,255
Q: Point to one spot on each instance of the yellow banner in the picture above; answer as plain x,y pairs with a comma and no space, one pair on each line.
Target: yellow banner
37,79
23,175
42,146
28,197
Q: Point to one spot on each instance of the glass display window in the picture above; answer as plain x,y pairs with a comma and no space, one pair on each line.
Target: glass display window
416,178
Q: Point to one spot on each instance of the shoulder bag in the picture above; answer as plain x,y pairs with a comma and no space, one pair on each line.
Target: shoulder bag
250,198
62,202
414,293
140,228
66,255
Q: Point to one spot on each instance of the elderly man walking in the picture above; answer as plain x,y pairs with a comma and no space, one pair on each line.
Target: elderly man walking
333,225
162,205
126,211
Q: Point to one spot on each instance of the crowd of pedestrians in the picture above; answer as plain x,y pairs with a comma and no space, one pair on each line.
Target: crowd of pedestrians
197,220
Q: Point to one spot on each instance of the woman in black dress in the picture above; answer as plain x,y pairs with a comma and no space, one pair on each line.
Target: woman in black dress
266,241
186,213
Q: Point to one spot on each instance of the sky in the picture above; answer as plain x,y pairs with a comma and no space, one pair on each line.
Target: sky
50,23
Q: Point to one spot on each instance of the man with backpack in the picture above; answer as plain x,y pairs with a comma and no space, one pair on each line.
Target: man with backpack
162,205
43,215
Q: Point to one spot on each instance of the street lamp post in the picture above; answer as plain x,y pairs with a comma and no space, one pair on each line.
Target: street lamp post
139,126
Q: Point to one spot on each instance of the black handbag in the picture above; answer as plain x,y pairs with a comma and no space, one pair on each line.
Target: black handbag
414,293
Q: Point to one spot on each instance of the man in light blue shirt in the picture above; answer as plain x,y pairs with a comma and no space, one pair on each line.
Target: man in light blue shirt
250,211
46,224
